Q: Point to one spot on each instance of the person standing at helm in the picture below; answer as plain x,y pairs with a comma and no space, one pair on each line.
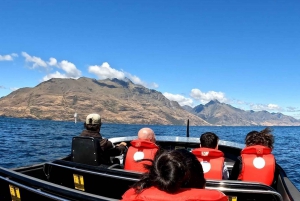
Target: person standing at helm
141,151
212,159
92,127
256,163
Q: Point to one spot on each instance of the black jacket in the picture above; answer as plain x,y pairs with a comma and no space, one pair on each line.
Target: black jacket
107,147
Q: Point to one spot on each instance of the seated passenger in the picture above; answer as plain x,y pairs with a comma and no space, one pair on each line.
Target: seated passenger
141,151
256,163
175,176
92,129
212,159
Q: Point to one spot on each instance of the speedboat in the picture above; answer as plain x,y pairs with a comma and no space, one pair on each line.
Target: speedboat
72,178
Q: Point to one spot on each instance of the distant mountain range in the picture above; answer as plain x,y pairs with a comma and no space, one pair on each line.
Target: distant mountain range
119,101
217,113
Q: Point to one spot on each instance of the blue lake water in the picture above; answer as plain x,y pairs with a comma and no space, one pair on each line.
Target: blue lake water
27,141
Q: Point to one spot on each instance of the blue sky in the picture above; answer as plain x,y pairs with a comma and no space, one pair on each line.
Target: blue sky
244,53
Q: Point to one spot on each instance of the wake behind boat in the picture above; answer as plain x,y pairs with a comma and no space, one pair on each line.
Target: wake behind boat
70,179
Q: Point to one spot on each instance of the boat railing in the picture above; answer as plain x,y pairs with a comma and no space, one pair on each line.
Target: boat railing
176,139
239,189
21,184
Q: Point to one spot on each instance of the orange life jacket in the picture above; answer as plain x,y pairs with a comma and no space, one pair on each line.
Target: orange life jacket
212,161
184,194
139,149
258,164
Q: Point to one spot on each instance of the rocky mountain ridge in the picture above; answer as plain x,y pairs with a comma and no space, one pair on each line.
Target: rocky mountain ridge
116,100
222,114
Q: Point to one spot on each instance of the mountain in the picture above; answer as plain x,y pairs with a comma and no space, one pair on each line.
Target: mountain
217,113
117,101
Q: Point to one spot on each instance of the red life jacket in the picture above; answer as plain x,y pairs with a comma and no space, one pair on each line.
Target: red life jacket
184,194
212,161
139,149
258,164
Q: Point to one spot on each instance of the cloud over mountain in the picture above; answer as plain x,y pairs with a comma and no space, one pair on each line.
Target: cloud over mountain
69,70
206,97
105,71
179,98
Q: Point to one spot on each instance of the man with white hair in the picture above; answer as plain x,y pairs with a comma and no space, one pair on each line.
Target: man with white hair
141,151
92,129
147,134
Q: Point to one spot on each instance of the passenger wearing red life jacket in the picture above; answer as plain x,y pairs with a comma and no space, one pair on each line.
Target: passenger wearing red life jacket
256,163
212,162
141,151
154,194
212,159
175,175
259,164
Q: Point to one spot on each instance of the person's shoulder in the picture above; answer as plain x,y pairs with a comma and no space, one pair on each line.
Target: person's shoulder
128,194
104,141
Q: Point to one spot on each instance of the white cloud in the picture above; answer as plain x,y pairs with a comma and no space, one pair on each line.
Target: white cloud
8,57
66,66
179,98
206,97
13,88
37,61
52,62
270,106
70,69
54,75
105,71
135,79
273,107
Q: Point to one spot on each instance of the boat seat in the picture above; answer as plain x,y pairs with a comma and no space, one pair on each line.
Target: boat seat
100,180
86,150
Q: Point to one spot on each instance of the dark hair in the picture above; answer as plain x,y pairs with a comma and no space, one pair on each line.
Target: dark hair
209,140
172,170
92,127
263,137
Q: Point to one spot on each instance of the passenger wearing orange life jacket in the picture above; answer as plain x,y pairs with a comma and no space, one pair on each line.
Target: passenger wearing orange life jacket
175,175
141,151
256,163
212,159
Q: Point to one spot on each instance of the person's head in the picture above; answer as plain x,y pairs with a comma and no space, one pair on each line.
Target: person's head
209,140
146,134
93,122
172,170
264,138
